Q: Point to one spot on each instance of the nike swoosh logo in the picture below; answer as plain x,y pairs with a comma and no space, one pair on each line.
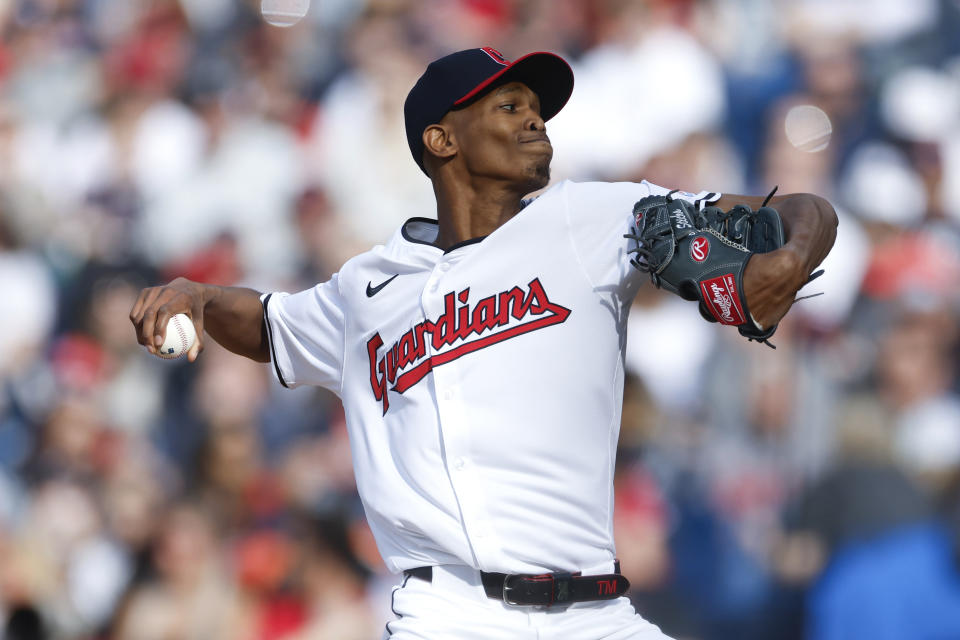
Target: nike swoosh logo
372,291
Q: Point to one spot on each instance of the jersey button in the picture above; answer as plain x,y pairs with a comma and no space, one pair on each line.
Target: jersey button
459,463
444,266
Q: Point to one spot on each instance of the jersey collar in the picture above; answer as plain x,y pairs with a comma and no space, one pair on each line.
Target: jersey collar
421,231
424,231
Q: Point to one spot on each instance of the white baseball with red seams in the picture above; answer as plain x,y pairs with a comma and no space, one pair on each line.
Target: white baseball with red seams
482,384
180,336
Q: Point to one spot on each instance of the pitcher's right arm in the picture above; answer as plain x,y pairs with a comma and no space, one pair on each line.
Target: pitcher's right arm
232,316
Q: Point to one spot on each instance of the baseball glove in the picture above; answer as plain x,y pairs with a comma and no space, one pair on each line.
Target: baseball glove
701,255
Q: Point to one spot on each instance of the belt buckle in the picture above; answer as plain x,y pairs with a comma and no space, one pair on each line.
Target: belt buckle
559,588
507,588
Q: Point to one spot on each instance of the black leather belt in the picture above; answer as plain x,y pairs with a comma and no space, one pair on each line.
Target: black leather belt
545,589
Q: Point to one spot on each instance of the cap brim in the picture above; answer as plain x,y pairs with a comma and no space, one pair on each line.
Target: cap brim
547,74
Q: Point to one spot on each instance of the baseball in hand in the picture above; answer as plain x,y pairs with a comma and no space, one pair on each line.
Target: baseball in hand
180,336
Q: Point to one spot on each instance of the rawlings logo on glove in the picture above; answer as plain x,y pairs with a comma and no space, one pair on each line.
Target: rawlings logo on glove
700,249
720,296
701,255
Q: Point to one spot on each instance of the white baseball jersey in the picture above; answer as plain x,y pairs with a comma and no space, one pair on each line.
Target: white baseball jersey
482,384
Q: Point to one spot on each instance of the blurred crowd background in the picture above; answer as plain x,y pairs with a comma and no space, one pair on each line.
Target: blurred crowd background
807,492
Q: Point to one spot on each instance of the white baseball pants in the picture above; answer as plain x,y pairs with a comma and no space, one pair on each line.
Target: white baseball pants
454,605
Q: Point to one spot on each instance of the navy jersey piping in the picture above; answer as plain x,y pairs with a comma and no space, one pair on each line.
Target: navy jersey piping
409,238
393,594
273,352
704,201
457,245
453,247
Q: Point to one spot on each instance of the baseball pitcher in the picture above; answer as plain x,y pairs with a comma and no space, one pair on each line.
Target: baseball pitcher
479,354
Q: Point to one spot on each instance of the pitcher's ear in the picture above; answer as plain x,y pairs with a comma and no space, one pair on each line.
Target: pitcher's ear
439,141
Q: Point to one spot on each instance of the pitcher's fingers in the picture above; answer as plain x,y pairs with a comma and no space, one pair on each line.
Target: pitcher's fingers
150,327
196,316
136,312
164,313
144,300
195,350
148,314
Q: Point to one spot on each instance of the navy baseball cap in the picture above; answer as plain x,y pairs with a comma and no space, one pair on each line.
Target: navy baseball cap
458,79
